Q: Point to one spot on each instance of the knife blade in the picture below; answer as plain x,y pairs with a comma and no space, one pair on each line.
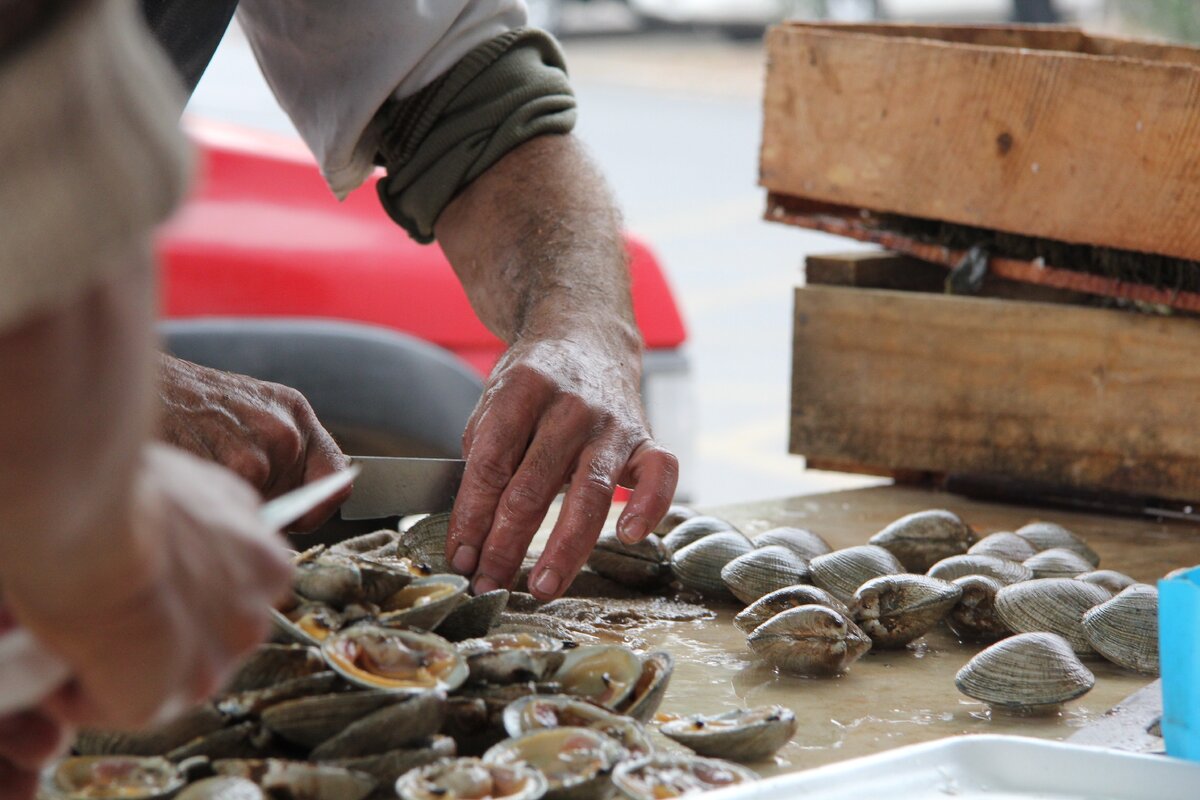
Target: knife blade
394,487
29,672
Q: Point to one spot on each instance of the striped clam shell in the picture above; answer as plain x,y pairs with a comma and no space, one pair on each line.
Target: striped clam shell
694,529
974,617
1125,629
804,543
1026,672
896,609
1056,605
782,600
698,565
922,539
1107,578
841,572
1003,544
762,571
1045,535
810,640
948,569
1057,562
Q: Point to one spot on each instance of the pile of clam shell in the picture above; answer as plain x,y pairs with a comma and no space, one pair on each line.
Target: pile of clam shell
386,677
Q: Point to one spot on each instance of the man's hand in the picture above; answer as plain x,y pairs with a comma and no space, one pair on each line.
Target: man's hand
536,242
266,433
28,741
189,597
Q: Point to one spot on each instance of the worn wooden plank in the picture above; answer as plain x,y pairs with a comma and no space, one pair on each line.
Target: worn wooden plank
879,269
991,129
1057,394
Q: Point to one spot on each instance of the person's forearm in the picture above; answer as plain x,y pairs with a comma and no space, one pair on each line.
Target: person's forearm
73,415
536,241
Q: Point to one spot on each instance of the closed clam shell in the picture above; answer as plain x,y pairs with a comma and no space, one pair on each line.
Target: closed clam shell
809,640
694,529
974,617
400,661
325,577
896,609
271,664
386,768
535,712
308,721
784,599
1056,605
1125,629
764,570
466,778
650,688
948,569
1046,535
642,565
1057,562
511,657
604,674
671,775
133,777
424,603
1178,571
922,539
742,735
1003,544
843,571
1107,579
577,762
804,543
698,565
393,726
197,721
1026,672
676,514
474,617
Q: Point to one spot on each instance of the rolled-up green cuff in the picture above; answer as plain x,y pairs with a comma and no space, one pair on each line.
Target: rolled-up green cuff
502,94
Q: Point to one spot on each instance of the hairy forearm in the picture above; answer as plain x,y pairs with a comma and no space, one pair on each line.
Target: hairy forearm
73,415
536,241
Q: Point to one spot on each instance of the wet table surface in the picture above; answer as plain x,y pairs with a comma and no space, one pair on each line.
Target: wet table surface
891,699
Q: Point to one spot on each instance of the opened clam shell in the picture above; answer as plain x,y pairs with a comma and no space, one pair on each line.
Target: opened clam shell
471,779
424,603
1026,672
132,777
1107,579
809,640
741,735
395,660
642,565
664,776
804,543
535,712
650,688
577,762
974,617
1125,629
283,778
306,623
841,572
694,529
325,577
511,657
784,599
949,569
223,787
698,565
1056,605
922,539
604,674
1057,562
896,609
762,571
1047,535
1003,544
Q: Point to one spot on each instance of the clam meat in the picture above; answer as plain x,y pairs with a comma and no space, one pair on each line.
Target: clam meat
762,571
1029,672
577,762
922,539
896,609
784,599
395,660
809,640
841,572
650,688
133,777
604,674
741,735
471,779
667,776
1125,629
535,712
424,603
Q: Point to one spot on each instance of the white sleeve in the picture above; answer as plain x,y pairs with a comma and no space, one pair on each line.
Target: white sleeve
332,65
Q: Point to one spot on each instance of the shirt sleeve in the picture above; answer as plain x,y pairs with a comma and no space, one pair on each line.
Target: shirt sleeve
333,66
92,154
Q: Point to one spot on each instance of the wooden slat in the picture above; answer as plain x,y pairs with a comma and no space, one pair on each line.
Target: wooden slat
1094,149
1050,393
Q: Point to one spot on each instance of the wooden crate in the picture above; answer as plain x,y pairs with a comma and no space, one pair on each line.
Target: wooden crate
891,375
1042,132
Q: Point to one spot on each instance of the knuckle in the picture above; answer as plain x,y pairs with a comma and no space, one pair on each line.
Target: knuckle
501,558
250,463
596,489
523,501
492,474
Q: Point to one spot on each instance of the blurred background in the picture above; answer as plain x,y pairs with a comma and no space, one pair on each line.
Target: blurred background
669,95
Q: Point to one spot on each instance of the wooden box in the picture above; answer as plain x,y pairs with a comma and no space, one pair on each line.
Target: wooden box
1048,133
889,375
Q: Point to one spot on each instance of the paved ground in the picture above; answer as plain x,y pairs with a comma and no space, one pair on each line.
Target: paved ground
674,121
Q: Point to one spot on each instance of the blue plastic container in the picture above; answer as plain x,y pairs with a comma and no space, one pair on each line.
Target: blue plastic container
1179,648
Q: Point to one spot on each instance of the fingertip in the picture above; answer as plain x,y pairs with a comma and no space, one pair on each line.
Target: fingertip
632,528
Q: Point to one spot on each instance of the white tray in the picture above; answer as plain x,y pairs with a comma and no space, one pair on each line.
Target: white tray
986,767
